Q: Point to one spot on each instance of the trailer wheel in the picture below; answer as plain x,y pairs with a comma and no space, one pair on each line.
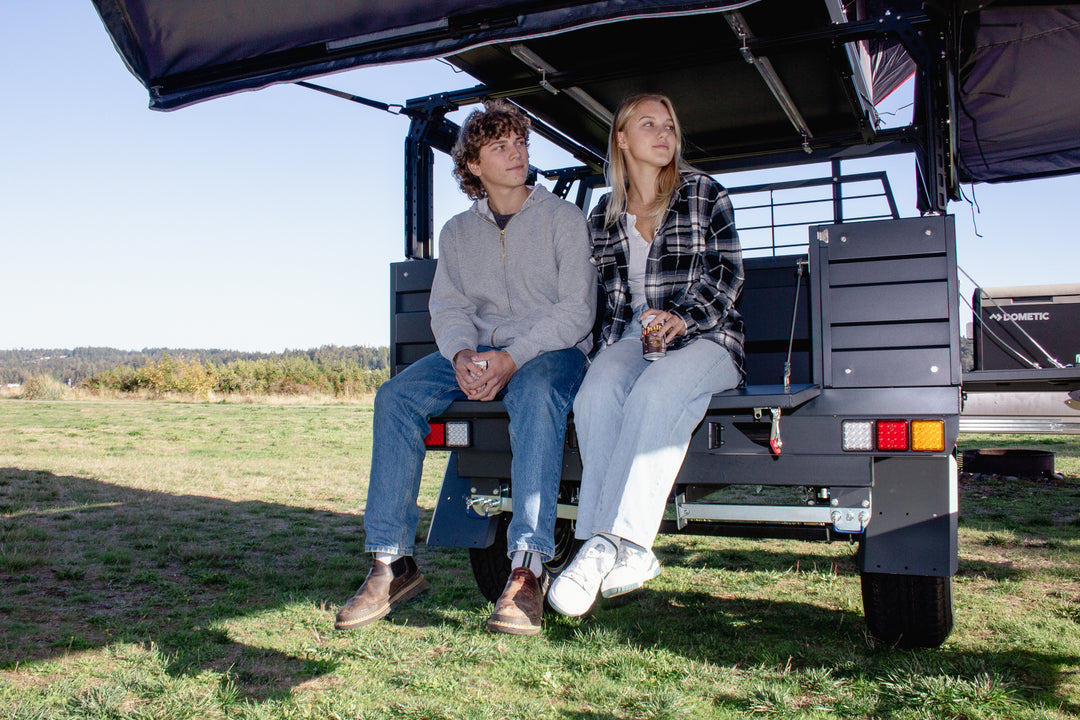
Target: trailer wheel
491,566
908,611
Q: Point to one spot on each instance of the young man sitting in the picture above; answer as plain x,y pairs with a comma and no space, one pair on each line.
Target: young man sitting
512,308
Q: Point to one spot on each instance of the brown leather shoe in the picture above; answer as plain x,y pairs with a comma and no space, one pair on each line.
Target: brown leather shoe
386,587
521,605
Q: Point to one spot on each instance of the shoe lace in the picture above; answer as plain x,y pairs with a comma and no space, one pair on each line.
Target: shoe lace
598,550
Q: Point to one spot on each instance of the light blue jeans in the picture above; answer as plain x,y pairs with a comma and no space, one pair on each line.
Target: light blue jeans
537,398
634,419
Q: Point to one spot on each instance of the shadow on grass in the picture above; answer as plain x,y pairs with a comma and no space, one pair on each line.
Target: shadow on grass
816,644
821,647
777,558
86,564
783,559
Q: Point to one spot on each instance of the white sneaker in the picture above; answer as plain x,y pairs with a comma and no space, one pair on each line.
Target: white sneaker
634,566
573,592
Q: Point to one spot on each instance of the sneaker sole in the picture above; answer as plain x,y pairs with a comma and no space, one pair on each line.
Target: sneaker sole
403,595
555,606
611,592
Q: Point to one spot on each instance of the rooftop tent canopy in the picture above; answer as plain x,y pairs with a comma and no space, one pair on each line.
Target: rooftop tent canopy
1018,114
751,78
184,51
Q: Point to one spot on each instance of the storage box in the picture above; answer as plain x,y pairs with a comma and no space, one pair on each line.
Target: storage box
1018,326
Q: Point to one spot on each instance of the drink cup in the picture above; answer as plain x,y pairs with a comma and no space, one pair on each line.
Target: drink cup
653,346
482,364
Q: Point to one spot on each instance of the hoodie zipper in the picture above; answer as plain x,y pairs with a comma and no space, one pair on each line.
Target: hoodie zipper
506,274
502,242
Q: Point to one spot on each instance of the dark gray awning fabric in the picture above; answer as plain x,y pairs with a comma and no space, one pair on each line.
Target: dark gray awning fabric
1016,102
890,64
184,51
1018,114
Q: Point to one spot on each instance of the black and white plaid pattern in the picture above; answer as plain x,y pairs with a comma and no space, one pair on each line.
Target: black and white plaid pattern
694,268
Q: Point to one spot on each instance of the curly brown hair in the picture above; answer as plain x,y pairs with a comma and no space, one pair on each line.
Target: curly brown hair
497,119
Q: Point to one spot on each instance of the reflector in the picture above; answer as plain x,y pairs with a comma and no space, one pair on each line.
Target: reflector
457,433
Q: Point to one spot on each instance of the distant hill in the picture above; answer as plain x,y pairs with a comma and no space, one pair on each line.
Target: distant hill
72,366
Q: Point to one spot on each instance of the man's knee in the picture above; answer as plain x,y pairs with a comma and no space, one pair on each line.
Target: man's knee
388,394
533,398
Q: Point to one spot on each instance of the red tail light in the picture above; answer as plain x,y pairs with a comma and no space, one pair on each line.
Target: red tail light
892,435
437,436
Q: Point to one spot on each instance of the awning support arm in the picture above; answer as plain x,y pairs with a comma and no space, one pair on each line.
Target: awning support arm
765,68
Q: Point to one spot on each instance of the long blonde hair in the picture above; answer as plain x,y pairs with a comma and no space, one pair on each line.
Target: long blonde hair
616,174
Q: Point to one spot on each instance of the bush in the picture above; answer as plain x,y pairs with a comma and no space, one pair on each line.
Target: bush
121,379
175,375
43,387
291,374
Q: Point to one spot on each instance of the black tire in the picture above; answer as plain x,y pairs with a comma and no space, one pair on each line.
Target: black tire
491,566
908,611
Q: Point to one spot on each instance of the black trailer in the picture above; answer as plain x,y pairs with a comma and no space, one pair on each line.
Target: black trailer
850,414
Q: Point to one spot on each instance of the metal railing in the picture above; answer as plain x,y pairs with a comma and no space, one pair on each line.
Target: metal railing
775,216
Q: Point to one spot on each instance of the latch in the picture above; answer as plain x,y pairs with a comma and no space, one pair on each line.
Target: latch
775,443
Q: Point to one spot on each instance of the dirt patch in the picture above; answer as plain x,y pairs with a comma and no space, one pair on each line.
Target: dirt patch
972,481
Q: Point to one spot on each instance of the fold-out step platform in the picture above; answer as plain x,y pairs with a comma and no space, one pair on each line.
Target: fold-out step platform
760,396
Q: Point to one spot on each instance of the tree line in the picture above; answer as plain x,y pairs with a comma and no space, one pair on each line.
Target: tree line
332,369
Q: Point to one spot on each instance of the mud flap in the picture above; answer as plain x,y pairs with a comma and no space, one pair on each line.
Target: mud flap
452,525
914,526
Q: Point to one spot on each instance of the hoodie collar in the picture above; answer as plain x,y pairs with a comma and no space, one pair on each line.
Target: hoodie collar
481,207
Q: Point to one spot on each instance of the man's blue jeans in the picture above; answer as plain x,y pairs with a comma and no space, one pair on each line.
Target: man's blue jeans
537,398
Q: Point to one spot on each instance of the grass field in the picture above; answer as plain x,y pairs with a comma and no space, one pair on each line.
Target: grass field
171,560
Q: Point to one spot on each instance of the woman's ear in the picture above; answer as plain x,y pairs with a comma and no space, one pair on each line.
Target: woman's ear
620,139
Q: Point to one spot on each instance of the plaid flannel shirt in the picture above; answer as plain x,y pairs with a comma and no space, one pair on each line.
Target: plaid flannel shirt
694,269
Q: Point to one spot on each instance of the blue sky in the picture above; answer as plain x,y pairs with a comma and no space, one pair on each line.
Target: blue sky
266,221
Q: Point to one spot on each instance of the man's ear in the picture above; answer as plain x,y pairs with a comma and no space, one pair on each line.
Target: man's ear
474,168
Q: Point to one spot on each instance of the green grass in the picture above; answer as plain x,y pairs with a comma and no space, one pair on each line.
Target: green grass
169,560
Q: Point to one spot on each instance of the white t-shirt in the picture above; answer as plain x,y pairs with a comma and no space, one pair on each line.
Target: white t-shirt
639,255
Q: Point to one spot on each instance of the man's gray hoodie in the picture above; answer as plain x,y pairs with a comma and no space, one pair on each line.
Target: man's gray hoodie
527,289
